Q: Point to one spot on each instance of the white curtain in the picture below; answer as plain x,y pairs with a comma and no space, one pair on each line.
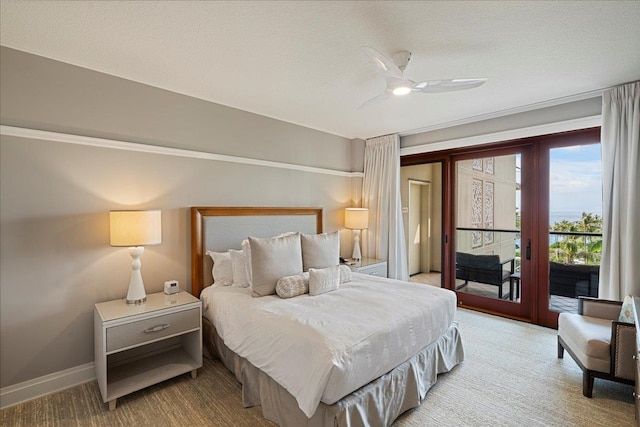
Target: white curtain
620,265
384,239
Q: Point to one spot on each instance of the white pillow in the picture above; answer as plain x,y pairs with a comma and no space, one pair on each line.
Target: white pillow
222,271
320,250
246,248
239,267
272,259
324,280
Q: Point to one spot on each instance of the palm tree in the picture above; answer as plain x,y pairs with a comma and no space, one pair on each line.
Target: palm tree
571,248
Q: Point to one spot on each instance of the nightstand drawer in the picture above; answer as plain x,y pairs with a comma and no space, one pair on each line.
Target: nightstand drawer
142,331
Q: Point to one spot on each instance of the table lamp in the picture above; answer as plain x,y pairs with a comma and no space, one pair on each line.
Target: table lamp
135,229
356,219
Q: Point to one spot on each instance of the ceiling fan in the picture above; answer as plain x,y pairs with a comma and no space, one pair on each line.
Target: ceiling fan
397,84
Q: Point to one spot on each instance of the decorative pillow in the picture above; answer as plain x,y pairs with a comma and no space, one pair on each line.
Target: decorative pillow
272,259
292,286
239,267
320,250
626,313
246,248
324,280
345,274
222,271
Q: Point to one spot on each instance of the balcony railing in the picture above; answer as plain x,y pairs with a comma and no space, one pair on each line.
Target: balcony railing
568,247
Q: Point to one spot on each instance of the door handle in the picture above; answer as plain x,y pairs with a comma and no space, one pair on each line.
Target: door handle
528,250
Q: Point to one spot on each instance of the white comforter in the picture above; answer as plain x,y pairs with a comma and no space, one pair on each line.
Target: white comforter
327,346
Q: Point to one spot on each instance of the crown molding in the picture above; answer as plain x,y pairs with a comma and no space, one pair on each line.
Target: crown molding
168,151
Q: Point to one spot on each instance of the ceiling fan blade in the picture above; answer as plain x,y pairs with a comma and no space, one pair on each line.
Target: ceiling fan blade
375,100
447,85
383,64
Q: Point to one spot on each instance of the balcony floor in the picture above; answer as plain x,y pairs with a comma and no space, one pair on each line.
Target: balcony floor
556,303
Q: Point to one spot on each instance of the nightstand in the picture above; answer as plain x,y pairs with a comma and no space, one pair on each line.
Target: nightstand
140,345
371,266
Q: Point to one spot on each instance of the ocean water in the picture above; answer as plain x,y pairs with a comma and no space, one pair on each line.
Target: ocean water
569,216
557,217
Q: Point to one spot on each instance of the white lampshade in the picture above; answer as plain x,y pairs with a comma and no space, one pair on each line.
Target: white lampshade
356,218
135,228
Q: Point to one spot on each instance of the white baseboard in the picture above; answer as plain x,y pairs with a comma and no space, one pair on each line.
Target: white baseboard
47,384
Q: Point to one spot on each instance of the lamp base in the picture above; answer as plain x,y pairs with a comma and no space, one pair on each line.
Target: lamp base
356,246
136,294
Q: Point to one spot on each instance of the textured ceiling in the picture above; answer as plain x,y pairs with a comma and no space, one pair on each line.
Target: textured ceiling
300,61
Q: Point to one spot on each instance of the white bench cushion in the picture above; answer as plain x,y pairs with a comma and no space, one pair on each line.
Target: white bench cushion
589,339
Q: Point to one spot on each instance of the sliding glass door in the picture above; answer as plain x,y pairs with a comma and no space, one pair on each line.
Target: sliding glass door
570,215
515,227
491,238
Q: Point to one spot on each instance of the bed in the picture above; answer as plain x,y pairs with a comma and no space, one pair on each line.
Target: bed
360,355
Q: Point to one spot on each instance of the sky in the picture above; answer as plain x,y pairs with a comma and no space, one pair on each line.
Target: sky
576,179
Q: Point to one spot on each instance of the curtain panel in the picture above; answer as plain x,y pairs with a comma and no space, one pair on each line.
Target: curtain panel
384,239
620,139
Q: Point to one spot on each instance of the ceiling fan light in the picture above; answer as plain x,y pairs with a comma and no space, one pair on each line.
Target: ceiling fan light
401,90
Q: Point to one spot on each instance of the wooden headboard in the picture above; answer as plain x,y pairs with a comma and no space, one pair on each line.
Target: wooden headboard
221,228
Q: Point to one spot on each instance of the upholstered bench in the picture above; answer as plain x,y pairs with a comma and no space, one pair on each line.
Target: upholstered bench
602,346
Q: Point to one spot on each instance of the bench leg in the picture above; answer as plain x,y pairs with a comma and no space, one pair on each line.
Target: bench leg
560,350
587,383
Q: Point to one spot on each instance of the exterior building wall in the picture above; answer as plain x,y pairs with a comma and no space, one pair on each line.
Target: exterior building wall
486,198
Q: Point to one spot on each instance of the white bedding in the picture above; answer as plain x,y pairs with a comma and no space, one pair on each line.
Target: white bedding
327,346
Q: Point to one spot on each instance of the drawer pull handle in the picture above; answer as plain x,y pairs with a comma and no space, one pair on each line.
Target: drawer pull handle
156,328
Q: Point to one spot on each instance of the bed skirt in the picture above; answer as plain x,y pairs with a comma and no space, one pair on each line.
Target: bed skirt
377,403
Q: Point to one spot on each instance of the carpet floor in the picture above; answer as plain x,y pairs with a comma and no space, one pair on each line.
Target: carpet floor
510,377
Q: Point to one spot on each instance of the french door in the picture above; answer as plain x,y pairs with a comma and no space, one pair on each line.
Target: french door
569,214
506,249
491,232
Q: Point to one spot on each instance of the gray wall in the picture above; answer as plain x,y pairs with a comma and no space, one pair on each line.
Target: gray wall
55,258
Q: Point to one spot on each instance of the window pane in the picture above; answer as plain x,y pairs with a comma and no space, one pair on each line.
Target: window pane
575,225
487,227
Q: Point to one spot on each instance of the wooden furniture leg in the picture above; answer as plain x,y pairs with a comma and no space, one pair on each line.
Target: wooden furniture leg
587,383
